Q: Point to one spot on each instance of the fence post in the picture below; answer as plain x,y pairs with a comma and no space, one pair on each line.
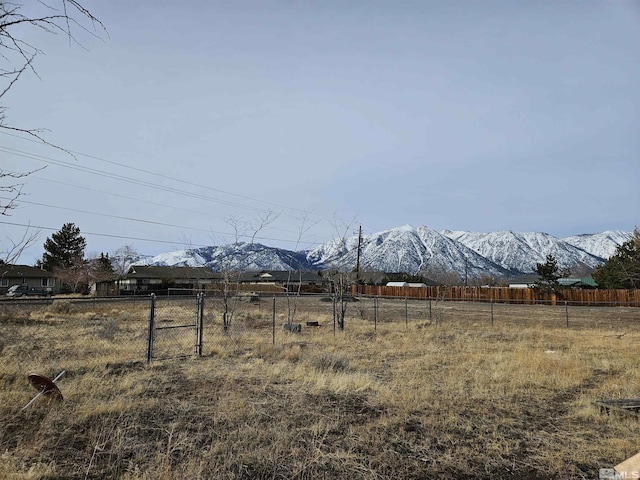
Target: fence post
430,316
375,314
333,298
273,322
152,318
492,312
200,324
406,313
566,312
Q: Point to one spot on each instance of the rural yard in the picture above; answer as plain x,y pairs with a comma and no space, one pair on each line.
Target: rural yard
410,389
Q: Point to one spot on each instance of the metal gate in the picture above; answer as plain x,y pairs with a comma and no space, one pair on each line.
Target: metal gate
175,327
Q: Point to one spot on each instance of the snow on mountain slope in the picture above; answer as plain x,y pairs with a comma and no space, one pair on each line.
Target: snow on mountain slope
601,244
404,249
521,251
241,256
411,250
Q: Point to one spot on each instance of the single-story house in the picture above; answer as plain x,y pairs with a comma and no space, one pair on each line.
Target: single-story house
140,280
582,282
529,280
280,281
26,275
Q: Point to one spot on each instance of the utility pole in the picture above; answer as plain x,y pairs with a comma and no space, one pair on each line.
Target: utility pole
358,256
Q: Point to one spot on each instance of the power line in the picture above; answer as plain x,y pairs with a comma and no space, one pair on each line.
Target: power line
151,222
102,173
164,205
173,179
108,235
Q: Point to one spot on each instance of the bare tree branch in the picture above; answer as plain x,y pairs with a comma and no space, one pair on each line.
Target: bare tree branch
13,253
16,57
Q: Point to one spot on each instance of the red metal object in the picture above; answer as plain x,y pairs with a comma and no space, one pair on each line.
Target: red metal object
45,386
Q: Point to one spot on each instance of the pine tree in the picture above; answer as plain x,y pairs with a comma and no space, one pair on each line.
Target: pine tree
622,269
548,273
64,250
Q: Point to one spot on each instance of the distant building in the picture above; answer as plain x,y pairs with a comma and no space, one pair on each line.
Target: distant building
160,279
26,275
280,281
529,281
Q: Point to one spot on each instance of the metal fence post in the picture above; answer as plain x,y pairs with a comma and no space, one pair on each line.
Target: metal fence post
200,324
273,322
406,313
333,298
566,312
152,318
375,314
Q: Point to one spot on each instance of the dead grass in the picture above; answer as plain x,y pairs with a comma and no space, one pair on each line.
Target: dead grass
414,400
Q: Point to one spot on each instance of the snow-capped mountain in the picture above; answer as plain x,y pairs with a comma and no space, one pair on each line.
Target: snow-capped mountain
521,251
412,250
241,256
405,249
601,244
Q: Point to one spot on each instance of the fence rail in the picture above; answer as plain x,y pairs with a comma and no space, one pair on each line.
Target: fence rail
597,297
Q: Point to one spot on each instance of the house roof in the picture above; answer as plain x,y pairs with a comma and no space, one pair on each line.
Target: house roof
280,276
531,278
23,271
578,282
526,279
170,272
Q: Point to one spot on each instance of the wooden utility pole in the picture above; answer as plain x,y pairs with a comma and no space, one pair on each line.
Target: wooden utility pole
358,255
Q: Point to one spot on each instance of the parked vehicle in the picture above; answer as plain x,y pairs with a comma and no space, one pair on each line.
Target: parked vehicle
20,290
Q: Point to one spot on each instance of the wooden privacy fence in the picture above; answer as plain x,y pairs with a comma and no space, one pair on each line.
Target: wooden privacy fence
630,298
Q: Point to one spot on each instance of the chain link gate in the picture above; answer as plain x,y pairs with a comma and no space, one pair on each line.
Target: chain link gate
169,336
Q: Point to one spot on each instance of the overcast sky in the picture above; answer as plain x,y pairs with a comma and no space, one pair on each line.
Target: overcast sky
466,115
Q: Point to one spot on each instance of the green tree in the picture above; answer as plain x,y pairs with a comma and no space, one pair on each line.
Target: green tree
548,273
102,268
64,250
622,269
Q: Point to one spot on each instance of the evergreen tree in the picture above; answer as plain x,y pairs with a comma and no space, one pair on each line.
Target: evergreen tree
622,270
548,273
103,264
64,250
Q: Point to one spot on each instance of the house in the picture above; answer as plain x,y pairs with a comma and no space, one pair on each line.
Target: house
26,275
529,281
161,280
278,281
582,282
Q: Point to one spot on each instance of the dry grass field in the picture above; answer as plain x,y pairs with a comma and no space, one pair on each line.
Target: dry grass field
412,392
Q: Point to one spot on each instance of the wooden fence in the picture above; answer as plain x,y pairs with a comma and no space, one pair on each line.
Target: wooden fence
629,298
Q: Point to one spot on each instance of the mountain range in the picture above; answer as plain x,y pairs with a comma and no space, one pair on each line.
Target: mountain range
413,250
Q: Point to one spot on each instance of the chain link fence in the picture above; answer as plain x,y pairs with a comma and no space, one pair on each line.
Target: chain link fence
49,336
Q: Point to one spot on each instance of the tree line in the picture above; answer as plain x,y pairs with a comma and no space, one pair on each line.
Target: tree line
64,256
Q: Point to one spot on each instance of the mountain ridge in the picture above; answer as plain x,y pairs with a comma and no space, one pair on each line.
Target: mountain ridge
413,250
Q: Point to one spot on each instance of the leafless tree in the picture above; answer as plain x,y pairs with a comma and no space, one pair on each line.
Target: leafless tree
11,254
17,57
342,275
292,300
122,259
234,263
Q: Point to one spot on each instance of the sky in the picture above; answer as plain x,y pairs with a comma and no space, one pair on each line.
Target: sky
298,121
